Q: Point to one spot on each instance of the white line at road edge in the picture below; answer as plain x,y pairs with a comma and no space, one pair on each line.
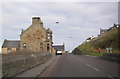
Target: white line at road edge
90,56
92,67
110,77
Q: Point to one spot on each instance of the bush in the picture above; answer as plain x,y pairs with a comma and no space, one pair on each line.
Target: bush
77,51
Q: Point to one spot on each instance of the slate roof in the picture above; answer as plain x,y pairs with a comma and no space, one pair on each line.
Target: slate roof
11,43
58,47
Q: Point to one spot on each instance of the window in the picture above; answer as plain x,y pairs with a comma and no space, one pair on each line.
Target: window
48,36
24,45
8,49
48,47
41,46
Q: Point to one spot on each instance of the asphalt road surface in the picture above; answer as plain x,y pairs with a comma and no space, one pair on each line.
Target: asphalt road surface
69,65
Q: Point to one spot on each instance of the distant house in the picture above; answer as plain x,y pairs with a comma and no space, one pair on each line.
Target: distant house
68,51
10,46
58,48
102,31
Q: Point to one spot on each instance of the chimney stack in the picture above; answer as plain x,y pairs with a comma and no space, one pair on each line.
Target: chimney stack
36,20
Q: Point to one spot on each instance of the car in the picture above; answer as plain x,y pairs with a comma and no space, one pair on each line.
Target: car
59,53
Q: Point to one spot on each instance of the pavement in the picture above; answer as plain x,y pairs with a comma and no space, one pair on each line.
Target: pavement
34,72
70,65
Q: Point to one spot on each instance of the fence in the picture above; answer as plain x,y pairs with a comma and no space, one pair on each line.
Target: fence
112,56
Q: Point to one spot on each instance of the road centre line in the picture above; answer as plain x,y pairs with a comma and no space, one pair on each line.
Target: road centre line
89,65
92,67
81,61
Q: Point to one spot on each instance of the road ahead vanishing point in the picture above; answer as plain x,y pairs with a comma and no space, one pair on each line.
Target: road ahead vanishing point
69,65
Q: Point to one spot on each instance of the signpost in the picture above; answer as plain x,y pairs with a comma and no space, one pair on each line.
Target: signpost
109,50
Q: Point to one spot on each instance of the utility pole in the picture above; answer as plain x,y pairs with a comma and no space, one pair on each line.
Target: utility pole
71,41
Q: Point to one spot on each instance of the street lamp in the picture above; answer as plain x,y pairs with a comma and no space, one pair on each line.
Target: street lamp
57,22
71,41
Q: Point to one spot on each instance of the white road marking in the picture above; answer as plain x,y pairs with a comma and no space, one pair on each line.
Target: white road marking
90,56
81,61
92,67
110,77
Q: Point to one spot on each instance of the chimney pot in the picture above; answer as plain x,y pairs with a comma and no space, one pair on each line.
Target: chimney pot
36,20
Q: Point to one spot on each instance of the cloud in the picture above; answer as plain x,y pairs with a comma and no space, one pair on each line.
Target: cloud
78,20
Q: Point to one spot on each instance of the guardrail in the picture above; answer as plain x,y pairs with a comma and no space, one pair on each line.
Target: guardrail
112,56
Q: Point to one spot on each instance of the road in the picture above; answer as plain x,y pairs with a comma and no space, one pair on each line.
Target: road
69,65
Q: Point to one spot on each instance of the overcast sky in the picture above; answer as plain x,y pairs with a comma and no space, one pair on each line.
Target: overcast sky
77,20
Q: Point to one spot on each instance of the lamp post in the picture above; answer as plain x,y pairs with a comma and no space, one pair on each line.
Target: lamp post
71,41
57,22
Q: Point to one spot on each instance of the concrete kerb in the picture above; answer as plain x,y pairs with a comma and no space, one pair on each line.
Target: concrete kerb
36,71
47,65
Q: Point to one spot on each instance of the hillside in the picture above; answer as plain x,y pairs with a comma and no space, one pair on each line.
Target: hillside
107,40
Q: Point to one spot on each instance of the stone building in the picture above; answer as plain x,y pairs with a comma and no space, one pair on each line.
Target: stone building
56,48
10,46
102,31
35,38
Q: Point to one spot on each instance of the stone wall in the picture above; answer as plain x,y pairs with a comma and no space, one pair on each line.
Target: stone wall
4,50
15,64
112,56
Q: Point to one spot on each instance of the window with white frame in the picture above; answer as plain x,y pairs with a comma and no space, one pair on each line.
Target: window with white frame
24,45
9,50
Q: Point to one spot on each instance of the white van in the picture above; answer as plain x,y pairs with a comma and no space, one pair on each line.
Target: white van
59,53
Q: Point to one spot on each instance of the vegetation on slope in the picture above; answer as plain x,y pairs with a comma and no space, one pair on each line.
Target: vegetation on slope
107,40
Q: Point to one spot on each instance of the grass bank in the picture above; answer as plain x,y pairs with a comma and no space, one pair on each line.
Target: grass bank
107,40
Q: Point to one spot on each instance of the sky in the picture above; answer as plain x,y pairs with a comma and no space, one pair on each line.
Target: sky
77,20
